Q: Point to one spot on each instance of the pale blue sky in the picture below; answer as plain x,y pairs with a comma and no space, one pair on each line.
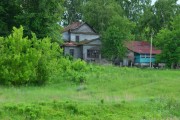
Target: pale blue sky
153,1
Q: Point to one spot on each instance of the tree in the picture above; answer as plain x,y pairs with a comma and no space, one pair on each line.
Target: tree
133,9
73,11
168,40
146,24
41,17
38,16
9,9
164,11
114,38
98,13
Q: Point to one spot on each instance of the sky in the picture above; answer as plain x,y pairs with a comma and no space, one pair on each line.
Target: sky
153,1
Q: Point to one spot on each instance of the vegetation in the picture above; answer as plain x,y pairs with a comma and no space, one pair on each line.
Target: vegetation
115,36
27,61
34,61
108,93
168,40
72,89
40,17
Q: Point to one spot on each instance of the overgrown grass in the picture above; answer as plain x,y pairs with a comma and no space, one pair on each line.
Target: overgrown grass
109,93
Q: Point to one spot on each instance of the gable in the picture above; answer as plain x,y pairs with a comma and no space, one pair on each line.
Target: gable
97,42
84,28
91,42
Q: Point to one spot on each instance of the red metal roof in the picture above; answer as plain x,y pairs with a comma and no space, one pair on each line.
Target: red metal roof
141,47
70,44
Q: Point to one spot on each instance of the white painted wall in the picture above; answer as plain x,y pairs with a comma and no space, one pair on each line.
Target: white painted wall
77,51
84,28
65,36
89,34
83,37
97,42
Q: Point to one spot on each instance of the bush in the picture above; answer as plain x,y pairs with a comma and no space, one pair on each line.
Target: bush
27,61
79,65
74,70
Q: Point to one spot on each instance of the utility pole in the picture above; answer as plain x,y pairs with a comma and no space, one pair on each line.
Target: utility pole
150,63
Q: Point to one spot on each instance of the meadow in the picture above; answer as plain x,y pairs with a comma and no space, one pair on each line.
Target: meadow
109,93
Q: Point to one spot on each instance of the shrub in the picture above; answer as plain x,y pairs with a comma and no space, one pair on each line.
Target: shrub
74,70
26,61
79,65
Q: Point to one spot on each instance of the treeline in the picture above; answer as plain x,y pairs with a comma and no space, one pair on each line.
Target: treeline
38,16
42,16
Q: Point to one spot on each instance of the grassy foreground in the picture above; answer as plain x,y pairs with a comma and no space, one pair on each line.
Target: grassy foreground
110,93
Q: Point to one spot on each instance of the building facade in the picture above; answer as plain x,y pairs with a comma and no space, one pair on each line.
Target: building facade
81,41
139,53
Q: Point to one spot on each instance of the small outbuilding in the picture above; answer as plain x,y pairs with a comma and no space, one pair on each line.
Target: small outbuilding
140,53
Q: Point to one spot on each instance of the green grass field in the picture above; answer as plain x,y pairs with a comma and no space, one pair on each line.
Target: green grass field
110,93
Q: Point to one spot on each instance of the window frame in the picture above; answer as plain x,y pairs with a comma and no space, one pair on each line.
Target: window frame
77,38
71,52
93,53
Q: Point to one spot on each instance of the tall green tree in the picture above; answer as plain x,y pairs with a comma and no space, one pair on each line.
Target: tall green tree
41,17
146,24
9,9
114,38
156,17
164,11
133,9
98,13
168,40
73,11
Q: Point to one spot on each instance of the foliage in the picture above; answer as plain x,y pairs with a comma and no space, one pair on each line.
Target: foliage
165,10
154,17
133,9
158,16
73,11
112,93
26,61
40,17
151,109
113,41
75,71
168,41
98,13
8,10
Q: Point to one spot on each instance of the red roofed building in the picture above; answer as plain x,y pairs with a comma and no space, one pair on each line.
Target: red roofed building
139,52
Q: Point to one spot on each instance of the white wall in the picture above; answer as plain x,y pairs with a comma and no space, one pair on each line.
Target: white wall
65,36
97,42
84,28
77,51
83,37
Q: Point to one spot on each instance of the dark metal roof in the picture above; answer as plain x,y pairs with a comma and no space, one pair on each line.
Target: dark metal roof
141,47
72,26
76,25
